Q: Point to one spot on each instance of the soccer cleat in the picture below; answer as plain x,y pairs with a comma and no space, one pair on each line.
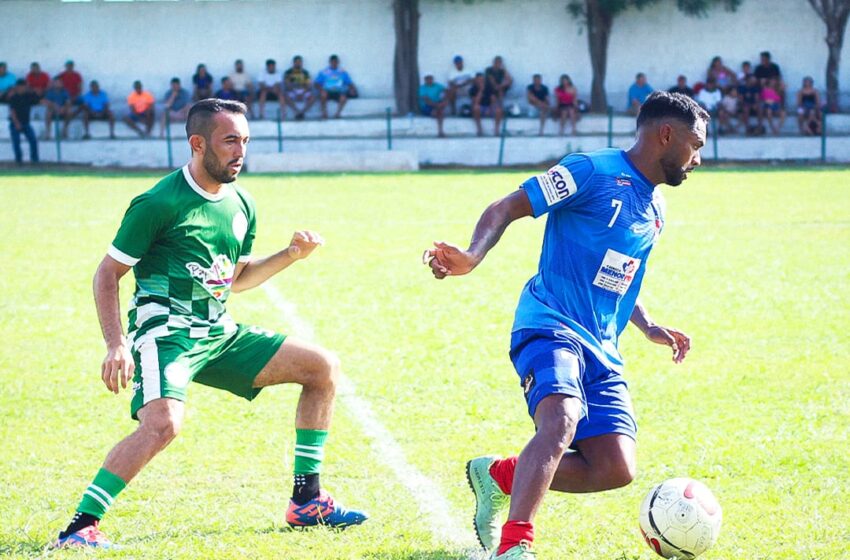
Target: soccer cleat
489,500
87,537
322,510
522,551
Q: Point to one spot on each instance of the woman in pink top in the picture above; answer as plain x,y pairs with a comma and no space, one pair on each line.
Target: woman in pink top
566,96
772,105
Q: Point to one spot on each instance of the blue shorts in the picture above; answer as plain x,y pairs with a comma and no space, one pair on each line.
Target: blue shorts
556,363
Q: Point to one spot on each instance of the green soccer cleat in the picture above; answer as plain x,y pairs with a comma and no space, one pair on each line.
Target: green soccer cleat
489,501
522,551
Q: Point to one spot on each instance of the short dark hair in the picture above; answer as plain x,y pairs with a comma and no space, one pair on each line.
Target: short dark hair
334,57
765,54
270,61
297,57
20,82
201,114
537,76
640,75
175,80
665,105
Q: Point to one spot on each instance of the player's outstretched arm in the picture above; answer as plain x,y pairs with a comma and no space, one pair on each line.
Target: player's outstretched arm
256,271
675,339
118,365
446,259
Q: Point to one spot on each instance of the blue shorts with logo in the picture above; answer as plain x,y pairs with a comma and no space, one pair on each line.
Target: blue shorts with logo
556,363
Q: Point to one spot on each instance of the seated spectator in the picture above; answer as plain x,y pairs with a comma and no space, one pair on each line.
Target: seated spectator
297,88
750,94
682,87
729,108
141,104
57,103
269,84
499,79
7,82
746,71
809,116
21,100
226,91
459,82
37,80
243,84
433,102
723,76
203,82
537,95
709,97
72,81
95,107
567,98
176,104
638,92
772,106
334,84
768,70
485,103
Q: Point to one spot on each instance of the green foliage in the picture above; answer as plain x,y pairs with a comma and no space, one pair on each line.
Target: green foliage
614,7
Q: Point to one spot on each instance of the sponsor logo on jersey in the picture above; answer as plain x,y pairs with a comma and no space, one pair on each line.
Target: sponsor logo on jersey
556,184
624,180
217,278
616,272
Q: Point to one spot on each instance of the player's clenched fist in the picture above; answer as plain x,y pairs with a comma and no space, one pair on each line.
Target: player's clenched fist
303,243
446,259
117,368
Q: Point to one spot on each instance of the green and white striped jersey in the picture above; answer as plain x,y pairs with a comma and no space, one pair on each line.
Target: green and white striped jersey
183,244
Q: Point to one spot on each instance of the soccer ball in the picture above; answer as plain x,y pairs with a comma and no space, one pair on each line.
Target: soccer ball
680,518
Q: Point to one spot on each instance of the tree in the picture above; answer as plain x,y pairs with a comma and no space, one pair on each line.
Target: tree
406,61
834,14
598,17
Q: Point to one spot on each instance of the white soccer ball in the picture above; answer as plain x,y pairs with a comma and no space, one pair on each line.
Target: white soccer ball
680,518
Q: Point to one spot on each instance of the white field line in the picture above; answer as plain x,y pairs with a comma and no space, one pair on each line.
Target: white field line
429,497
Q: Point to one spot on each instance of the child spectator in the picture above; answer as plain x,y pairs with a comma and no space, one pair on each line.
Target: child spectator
226,91
37,80
176,104
772,105
638,92
537,95
567,98
809,116
729,108
269,84
750,94
460,80
499,79
21,99
141,107
95,107
746,72
57,103
334,84
432,101
682,87
203,82
485,103
7,82
298,88
243,84
71,80
723,76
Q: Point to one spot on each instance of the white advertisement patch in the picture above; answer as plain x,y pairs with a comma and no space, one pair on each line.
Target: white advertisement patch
556,184
616,272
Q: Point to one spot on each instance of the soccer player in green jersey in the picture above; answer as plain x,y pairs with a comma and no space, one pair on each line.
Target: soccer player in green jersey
188,241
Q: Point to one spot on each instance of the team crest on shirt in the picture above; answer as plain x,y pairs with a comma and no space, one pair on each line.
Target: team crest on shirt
217,278
616,272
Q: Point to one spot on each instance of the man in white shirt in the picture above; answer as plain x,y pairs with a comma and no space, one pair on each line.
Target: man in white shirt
269,84
459,82
243,84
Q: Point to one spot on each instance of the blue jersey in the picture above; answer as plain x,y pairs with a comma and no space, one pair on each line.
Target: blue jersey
604,219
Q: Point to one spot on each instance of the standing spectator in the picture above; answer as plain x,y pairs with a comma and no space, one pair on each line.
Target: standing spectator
485,103
7,82
723,76
537,95
567,97
37,80
72,81
269,84
203,83
746,72
95,107
767,71
709,97
751,105
21,99
729,108
226,91
57,103
243,84
772,106
682,87
459,82
499,79
334,84
141,104
176,102
433,102
638,92
809,117
297,88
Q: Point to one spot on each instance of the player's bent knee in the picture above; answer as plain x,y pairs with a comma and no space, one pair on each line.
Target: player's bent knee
327,370
162,420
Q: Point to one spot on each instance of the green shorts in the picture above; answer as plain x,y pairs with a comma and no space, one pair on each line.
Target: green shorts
165,365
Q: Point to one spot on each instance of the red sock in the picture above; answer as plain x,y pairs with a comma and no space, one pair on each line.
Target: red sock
502,471
514,532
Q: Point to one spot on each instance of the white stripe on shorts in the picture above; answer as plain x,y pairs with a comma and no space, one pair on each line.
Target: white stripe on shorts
149,361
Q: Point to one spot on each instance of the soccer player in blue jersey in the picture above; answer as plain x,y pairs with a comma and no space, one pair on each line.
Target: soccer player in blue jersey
605,215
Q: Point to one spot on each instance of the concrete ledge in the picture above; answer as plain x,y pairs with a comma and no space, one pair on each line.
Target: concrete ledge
298,162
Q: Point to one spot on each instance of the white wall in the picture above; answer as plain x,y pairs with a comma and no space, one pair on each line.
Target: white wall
117,42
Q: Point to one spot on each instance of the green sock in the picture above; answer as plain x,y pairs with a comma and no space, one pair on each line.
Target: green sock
309,451
100,494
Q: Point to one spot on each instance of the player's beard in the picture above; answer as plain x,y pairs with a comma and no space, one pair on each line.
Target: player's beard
674,173
218,172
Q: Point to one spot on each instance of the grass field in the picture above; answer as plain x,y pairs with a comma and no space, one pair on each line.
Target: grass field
753,264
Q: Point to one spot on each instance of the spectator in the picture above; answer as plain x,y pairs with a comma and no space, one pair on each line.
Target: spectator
751,105
638,92
243,84
459,82
203,82
57,103
269,84
7,82
334,84
21,99
499,79
682,87
37,80
176,102
226,91
768,70
709,97
141,105
567,97
746,72
95,107
72,81
537,95
485,103
298,88
809,116
772,106
723,76
729,108
433,102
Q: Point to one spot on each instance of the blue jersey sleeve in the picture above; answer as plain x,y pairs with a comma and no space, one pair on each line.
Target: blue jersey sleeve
562,186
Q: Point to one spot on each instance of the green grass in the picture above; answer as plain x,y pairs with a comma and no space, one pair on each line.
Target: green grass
754,265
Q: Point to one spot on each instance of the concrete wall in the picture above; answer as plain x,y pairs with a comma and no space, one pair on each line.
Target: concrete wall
117,42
